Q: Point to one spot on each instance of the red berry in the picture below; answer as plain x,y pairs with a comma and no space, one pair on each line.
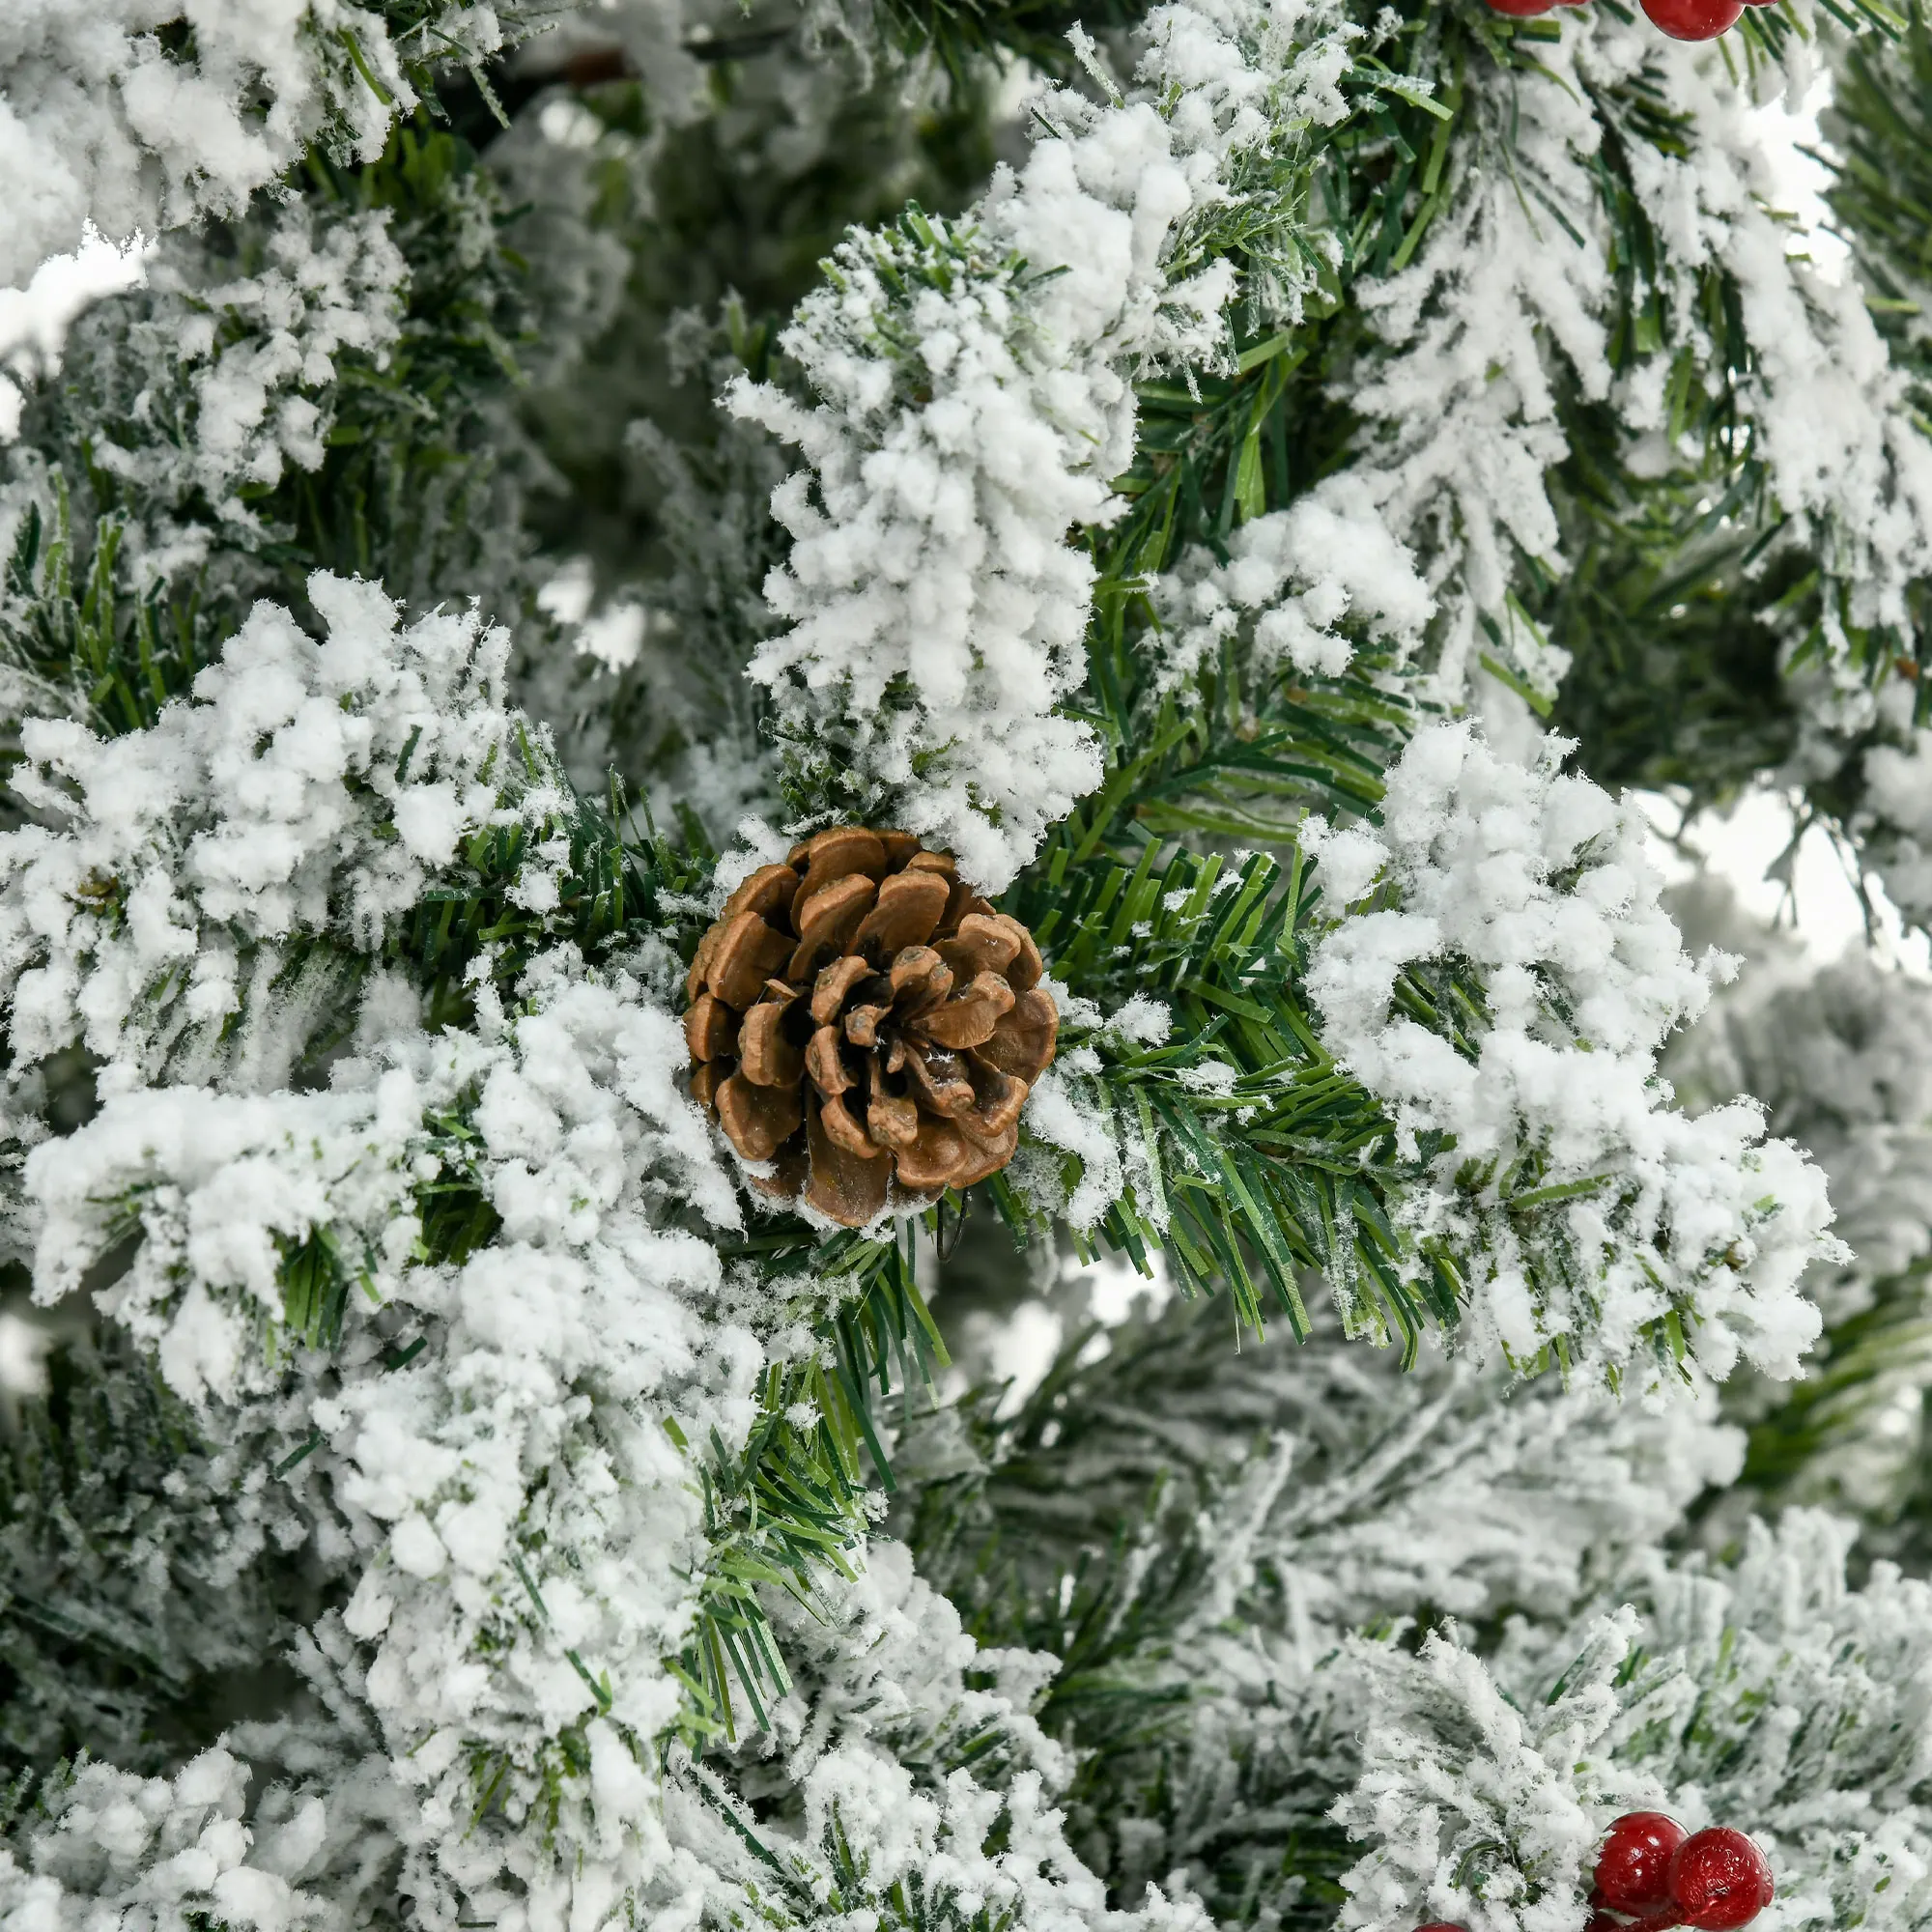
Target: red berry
1517,9
1693,20
1634,1867
1718,1880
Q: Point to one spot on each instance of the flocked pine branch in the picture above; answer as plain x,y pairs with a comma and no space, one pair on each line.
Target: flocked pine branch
371,1012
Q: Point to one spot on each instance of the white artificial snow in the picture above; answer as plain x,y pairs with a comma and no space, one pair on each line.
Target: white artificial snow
1333,547
1768,1696
166,1852
889,1662
498,1461
263,351
511,1517
1069,1111
34,321
306,787
101,124
512,1494
1832,422
1510,298
1536,880
222,383
938,612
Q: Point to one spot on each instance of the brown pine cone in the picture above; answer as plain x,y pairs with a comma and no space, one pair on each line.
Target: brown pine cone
862,1017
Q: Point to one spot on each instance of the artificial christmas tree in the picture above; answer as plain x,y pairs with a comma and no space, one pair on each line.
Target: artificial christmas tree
709,707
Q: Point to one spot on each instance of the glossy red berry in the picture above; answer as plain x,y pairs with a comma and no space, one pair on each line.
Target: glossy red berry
1718,1880
1659,1918
1519,10
1634,1867
1693,20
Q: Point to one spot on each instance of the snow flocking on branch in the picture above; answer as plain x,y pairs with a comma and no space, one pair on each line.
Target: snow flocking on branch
506,1499
1511,297
34,321
490,1457
1765,1689
1601,1209
975,401
104,121
483,1464
1297,574
233,380
307,788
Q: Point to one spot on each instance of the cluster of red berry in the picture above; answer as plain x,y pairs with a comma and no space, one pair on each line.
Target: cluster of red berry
1681,20
1652,1874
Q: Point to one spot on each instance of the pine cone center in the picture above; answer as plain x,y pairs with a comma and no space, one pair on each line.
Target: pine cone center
862,1017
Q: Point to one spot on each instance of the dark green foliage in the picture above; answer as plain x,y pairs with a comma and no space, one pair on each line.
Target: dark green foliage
1880,128
1286,1169
613,894
1216,449
1675,678
738,209
1852,1436
423,483
421,480
84,639
796,1496
1289,1167
1094,1523
134,1592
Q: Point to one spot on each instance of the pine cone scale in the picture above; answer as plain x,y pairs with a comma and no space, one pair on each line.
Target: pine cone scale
750,952
765,1056
825,1066
920,979
908,910
968,1019
828,924
1022,1043
848,1181
862,1017
833,987
759,1120
710,1028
